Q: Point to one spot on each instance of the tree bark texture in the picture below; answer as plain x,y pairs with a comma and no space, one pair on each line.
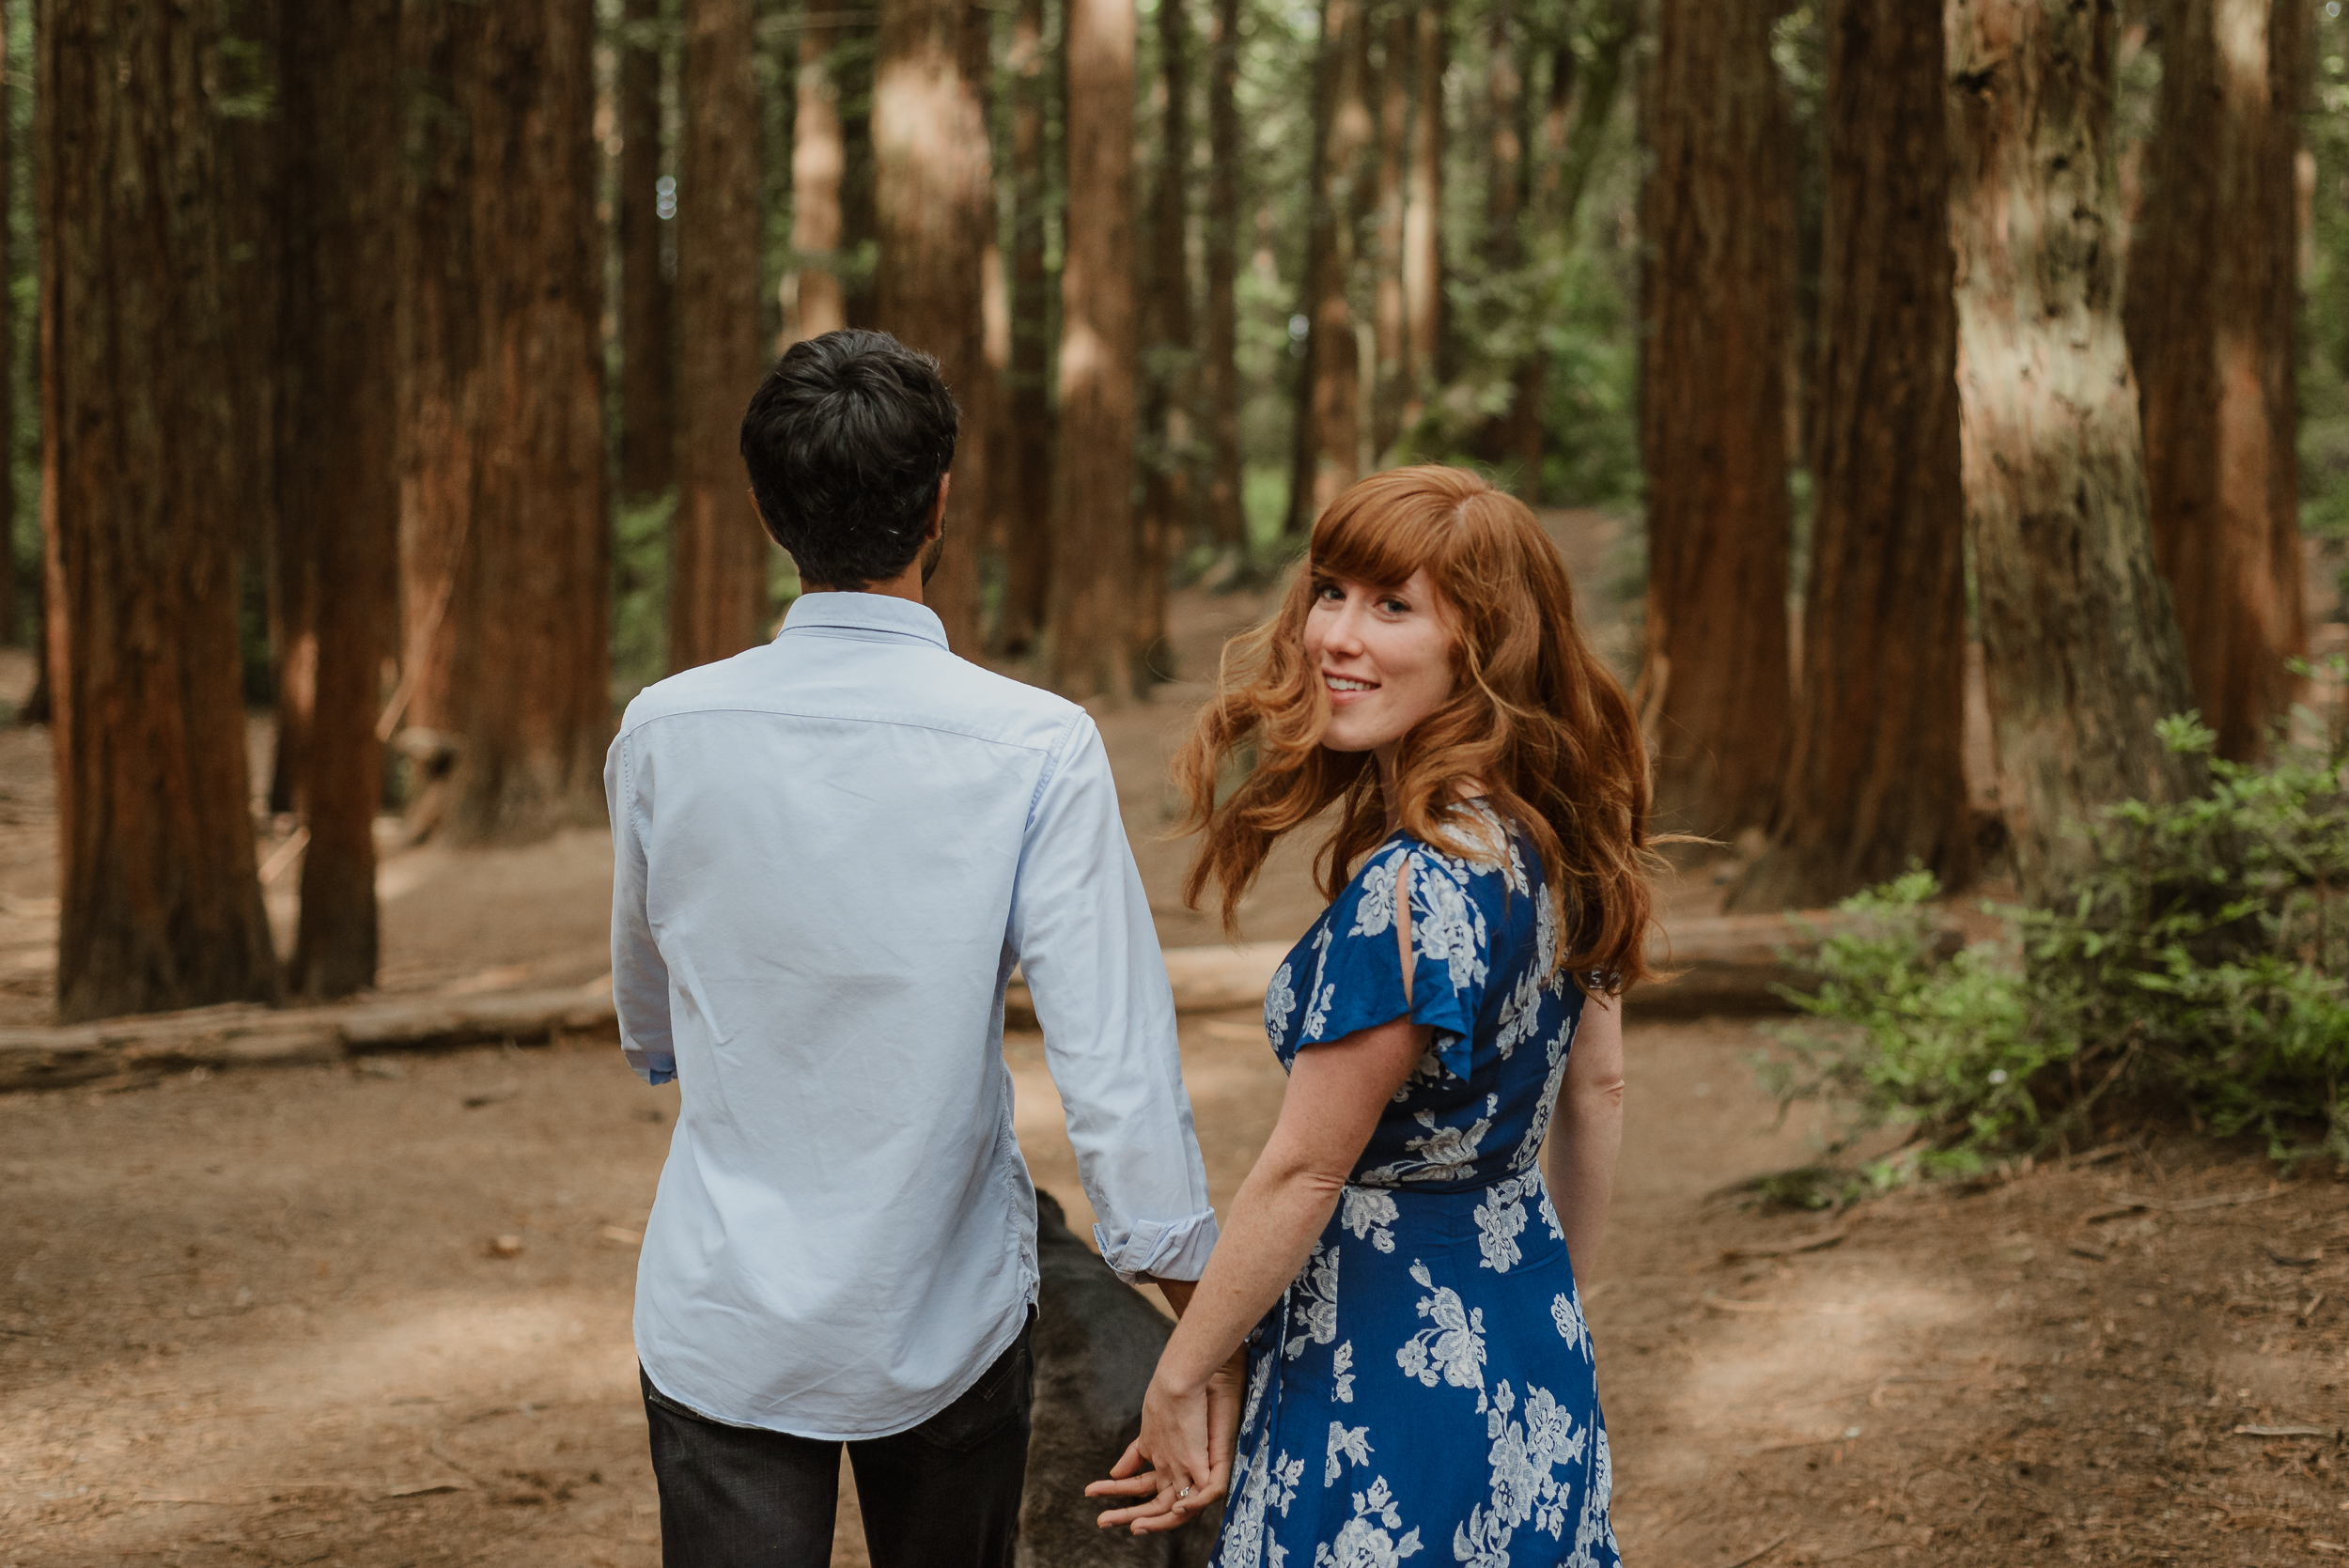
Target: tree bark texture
935,205
1716,301
1168,361
1396,83
1227,519
819,160
337,481
2213,307
1422,212
1325,457
504,542
159,905
1091,650
718,599
1518,442
1027,489
10,592
647,294
1876,771
2080,649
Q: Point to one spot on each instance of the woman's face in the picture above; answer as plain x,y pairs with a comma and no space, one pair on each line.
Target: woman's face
1384,656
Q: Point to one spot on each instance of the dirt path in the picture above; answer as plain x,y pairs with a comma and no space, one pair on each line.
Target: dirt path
259,1318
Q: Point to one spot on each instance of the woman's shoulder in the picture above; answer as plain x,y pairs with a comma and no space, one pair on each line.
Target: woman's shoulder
1478,851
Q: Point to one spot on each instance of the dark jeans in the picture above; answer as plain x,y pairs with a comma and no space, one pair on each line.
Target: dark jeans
945,1494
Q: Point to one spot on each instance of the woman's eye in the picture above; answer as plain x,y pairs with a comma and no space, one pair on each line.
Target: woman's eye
1394,607
1328,591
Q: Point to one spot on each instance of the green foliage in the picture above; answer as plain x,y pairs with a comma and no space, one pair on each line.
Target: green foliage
2201,962
640,593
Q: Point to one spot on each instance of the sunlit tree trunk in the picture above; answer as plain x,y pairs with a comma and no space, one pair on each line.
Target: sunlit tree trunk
160,907
717,553
818,304
2080,647
504,540
935,207
1876,775
1423,213
1091,650
2211,329
1026,520
1227,522
1167,357
648,295
1326,455
338,498
1716,301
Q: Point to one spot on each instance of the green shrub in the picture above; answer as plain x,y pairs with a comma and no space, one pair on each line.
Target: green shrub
2201,962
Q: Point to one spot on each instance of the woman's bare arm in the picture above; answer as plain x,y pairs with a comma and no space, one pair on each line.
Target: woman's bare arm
1586,1130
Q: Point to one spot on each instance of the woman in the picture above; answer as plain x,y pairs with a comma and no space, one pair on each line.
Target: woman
1396,1267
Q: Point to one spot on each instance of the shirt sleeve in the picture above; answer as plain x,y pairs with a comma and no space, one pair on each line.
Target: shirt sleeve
1357,979
1080,926
640,976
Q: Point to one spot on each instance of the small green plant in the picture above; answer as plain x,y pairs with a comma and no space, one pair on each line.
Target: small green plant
2201,960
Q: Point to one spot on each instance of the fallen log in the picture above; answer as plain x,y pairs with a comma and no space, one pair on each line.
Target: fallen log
1730,964
248,1035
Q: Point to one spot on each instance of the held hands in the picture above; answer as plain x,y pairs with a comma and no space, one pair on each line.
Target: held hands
1182,1461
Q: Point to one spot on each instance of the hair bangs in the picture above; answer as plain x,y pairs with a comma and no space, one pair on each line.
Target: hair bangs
1387,527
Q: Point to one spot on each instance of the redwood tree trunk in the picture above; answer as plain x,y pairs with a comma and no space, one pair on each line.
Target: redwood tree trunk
338,498
1876,771
818,161
1227,522
9,592
1028,489
1090,649
1520,435
648,295
2080,649
1166,361
1326,455
2210,329
1396,83
503,534
717,553
1423,214
160,907
934,203
1717,298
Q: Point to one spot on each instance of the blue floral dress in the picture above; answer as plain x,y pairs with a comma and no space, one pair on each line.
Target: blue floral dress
1427,1382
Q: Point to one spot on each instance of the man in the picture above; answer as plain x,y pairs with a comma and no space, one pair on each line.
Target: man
830,852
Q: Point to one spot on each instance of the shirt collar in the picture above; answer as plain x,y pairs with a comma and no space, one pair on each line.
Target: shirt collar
881,612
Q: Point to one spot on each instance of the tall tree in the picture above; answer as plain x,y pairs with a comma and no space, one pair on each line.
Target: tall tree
2210,329
1717,302
159,905
1520,430
337,485
1325,456
1396,85
1875,776
1227,523
718,555
819,160
1027,491
1422,212
9,591
647,292
504,553
2055,483
1089,647
1168,362
934,202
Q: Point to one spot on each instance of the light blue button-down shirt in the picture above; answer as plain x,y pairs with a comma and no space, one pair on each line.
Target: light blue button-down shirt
830,852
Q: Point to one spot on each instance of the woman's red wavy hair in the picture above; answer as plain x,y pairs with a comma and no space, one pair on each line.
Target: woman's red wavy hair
1535,717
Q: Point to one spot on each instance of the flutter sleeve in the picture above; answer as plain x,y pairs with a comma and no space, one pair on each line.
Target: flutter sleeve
1357,979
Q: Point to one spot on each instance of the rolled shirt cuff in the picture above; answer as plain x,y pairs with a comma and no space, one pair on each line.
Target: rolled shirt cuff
655,1067
1164,1249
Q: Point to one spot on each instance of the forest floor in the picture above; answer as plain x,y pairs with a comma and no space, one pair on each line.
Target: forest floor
259,1318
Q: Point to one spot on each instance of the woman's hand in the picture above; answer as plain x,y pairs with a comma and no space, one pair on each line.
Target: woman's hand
1194,1430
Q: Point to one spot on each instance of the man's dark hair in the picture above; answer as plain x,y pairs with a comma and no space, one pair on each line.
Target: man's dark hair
846,440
